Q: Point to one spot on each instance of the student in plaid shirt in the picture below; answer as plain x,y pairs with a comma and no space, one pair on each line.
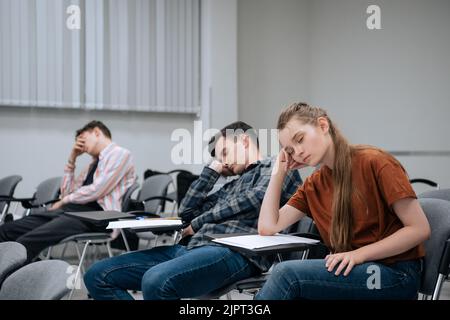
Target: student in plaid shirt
195,266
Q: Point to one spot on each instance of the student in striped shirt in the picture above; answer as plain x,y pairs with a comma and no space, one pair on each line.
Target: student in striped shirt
100,186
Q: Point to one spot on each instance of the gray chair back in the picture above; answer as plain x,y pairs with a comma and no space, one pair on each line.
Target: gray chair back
443,194
7,187
126,198
438,215
154,186
42,280
48,190
12,256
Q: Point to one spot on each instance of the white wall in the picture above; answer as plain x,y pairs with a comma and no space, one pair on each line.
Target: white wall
273,54
36,143
389,87
386,87
220,38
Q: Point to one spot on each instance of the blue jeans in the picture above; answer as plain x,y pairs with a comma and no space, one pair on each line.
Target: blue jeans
167,272
310,279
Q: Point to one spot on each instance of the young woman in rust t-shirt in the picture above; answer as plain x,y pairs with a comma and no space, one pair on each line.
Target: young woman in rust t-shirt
363,206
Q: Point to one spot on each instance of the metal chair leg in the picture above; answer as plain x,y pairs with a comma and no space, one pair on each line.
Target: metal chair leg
108,247
305,254
175,236
49,253
63,252
79,255
5,210
125,240
79,268
437,288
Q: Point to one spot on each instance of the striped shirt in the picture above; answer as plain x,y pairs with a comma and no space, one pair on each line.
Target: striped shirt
115,173
234,208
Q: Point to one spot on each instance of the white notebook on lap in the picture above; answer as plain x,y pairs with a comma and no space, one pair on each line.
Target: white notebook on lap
257,241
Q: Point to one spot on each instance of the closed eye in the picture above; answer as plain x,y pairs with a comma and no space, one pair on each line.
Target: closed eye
298,137
289,150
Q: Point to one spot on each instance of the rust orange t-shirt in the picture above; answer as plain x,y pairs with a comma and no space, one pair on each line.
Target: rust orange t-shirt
380,181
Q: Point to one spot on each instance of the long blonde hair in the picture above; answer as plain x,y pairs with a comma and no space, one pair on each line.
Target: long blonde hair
341,233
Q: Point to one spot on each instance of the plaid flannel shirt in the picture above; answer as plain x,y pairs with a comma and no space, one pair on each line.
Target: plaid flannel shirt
234,208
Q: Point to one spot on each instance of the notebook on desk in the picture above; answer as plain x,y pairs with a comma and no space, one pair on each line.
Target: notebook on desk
147,223
255,244
255,241
97,216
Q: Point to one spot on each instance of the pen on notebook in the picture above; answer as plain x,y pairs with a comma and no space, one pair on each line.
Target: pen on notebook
147,218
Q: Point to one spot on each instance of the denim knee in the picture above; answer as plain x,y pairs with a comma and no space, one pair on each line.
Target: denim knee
93,277
156,285
283,270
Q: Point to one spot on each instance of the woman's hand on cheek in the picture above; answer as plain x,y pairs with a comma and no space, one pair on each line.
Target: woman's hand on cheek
294,165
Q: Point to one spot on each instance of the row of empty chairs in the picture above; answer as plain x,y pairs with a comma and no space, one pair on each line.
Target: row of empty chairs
42,280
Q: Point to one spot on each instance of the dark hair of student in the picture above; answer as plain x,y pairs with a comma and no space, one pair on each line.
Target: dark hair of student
94,124
235,128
